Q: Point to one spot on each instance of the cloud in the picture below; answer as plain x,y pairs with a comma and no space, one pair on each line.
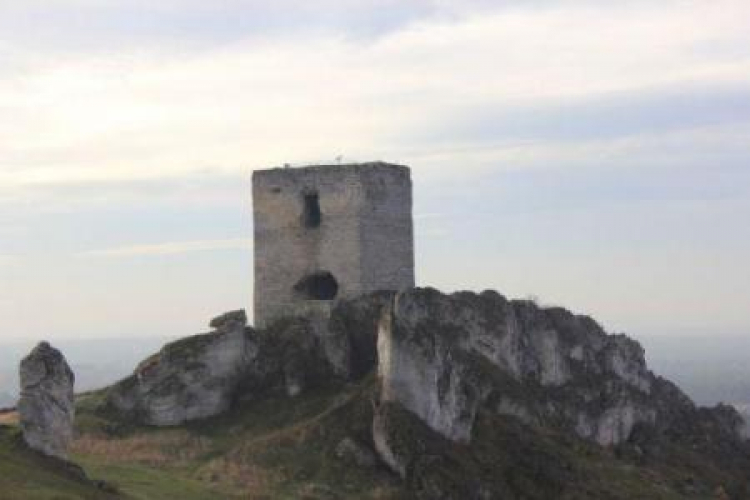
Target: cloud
437,85
581,126
75,25
170,248
207,187
624,114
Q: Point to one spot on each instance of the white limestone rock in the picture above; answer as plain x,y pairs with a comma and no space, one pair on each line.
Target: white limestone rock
616,423
192,378
229,321
46,406
429,376
625,358
200,376
444,356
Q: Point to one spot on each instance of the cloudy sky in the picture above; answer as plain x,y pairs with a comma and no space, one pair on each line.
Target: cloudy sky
593,155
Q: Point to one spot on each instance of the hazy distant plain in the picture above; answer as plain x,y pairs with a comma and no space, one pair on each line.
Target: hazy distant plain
711,369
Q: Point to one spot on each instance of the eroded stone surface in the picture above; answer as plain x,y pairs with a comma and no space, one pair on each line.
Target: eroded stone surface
200,376
229,321
46,407
192,378
430,375
745,414
443,356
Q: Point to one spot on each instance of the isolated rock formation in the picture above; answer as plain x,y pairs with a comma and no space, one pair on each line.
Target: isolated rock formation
191,378
46,407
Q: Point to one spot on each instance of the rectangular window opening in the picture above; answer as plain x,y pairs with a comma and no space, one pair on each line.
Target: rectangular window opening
312,210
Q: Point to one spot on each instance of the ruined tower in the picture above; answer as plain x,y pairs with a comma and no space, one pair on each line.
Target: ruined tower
327,232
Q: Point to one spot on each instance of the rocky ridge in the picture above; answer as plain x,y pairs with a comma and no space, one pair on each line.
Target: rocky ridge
447,366
201,376
442,357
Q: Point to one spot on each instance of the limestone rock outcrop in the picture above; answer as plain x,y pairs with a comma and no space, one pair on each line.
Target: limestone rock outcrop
229,321
201,376
476,396
46,406
442,357
349,337
745,413
192,378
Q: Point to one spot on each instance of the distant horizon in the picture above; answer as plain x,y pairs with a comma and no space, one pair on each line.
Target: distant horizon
709,371
685,331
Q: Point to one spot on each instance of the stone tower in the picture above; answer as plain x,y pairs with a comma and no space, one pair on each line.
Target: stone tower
326,232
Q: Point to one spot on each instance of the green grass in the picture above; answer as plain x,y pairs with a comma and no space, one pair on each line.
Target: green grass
283,448
140,482
278,447
25,475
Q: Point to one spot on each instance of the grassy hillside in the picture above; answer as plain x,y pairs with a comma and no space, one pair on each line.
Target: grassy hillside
27,475
285,448
275,448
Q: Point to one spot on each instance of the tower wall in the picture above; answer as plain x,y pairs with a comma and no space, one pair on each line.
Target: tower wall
320,228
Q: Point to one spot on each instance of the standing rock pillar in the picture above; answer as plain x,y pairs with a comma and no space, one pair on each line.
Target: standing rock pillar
46,407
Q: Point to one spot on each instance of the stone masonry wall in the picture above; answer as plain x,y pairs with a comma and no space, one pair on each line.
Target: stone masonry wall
364,238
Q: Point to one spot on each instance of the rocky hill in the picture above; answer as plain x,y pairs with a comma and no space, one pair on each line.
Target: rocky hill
414,395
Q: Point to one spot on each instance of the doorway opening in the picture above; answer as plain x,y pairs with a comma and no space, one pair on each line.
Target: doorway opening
317,286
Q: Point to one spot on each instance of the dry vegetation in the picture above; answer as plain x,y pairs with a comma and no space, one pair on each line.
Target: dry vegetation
159,449
9,418
276,448
239,472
